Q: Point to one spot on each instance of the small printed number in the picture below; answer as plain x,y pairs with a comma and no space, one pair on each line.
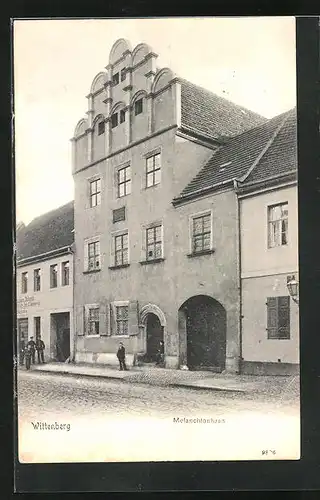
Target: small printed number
268,452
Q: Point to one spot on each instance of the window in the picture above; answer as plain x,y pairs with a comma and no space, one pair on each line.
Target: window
153,172
37,280
278,225
119,214
124,181
121,249
201,233
37,327
93,321
95,193
114,120
154,243
278,317
65,273
115,79
54,276
123,74
101,128
122,116
93,255
138,107
24,282
122,315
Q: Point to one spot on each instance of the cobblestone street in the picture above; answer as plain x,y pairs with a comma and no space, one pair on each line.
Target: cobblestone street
92,419
41,393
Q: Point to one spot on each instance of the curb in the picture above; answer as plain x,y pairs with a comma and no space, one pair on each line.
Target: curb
89,375
144,382
207,388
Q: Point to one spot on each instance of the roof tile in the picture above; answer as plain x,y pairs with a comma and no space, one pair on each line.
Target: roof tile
46,233
212,115
234,159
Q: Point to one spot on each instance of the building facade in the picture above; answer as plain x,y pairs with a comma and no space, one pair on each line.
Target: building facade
44,281
157,217
269,258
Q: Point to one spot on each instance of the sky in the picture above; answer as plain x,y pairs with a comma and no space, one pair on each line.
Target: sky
250,61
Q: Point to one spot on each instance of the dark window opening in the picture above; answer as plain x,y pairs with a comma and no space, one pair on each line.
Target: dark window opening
123,74
54,276
138,107
101,128
122,116
115,79
114,120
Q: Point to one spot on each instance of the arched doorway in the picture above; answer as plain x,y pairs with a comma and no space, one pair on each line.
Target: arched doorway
205,330
154,323
154,336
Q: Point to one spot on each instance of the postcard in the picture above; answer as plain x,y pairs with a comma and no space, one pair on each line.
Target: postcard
157,277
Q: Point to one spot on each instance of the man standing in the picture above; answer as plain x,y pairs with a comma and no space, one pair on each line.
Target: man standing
22,348
121,355
40,347
28,355
31,346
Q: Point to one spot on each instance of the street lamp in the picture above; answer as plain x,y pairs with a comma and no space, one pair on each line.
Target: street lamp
293,288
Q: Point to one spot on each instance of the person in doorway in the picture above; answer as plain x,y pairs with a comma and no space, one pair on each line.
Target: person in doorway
40,347
160,355
22,349
31,345
28,356
121,355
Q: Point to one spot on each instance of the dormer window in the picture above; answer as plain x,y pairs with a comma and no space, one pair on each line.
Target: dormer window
100,128
122,116
115,79
138,107
123,74
114,120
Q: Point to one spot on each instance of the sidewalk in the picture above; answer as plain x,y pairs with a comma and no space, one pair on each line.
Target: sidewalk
268,385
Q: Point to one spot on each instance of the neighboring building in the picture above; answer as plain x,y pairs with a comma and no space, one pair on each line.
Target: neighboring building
155,260
269,257
44,280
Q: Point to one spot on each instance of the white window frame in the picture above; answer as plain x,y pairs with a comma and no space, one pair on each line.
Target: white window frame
90,179
147,157
114,305
114,234
191,219
94,239
87,308
269,207
91,195
144,240
117,170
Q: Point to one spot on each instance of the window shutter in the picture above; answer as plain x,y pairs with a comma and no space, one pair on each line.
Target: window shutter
103,319
113,326
272,317
80,320
133,317
85,257
284,317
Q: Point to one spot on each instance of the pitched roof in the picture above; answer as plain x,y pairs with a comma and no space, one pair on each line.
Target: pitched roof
212,115
234,159
281,156
48,232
